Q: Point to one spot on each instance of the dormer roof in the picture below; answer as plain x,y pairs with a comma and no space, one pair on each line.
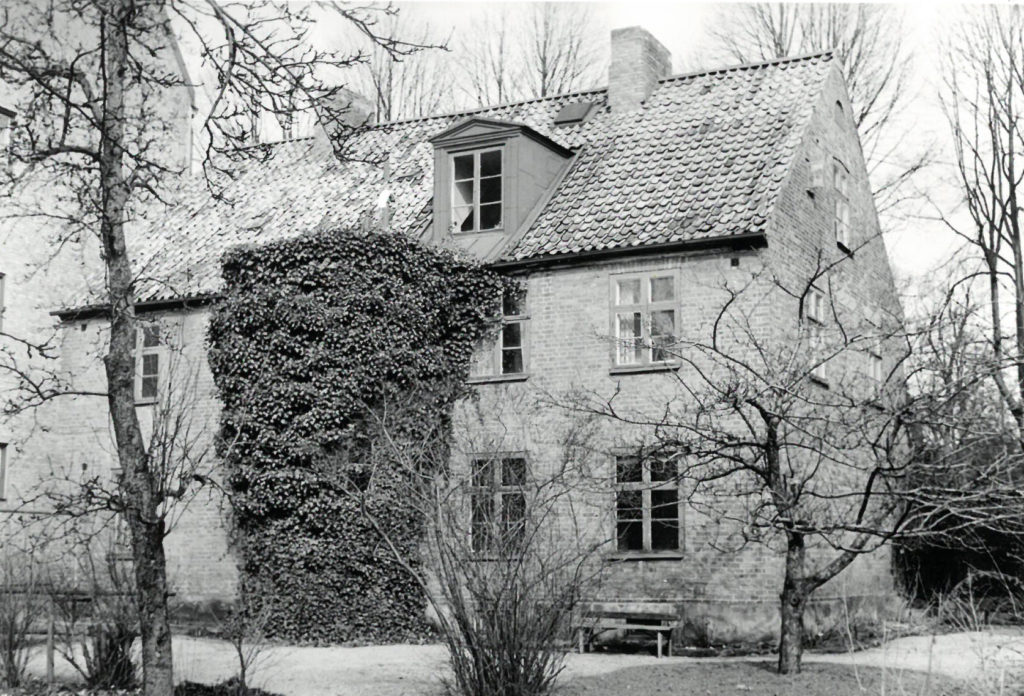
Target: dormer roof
704,158
479,130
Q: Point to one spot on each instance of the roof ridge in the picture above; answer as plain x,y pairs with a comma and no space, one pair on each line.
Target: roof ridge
750,66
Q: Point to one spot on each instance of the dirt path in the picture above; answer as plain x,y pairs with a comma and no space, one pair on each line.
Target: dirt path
406,670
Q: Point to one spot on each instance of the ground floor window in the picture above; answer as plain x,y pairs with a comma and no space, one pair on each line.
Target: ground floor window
647,504
498,502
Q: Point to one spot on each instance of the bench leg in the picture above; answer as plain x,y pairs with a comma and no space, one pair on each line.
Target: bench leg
579,635
659,643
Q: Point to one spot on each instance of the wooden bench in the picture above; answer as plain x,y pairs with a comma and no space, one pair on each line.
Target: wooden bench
594,621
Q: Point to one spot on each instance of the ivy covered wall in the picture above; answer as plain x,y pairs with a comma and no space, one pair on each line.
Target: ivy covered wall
312,334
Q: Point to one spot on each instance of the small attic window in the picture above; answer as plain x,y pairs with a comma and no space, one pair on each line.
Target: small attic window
576,112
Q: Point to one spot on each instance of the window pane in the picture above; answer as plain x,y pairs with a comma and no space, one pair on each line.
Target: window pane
482,505
490,216
464,216
513,515
490,189
463,193
464,167
490,163
630,332
628,292
663,469
150,364
631,536
148,388
514,303
663,329
664,520
513,471
483,473
512,361
150,336
663,289
627,470
511,335
629,505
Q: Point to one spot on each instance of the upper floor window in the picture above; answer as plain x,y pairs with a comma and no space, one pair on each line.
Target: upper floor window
149,355
476,190
647,504
3,302
814,312
644,317
876,367
3,471
498,501
841,185
508,354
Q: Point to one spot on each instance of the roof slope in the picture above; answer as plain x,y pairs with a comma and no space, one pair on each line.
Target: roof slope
705,157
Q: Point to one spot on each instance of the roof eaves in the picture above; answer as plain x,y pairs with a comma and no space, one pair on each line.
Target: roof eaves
745,240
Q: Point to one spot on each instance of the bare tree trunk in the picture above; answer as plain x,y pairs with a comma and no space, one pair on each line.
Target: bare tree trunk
140,492
794,601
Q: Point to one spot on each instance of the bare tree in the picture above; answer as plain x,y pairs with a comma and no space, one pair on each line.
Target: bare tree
502,564
796,433
546,51
867,39
984,85
413,86
94,87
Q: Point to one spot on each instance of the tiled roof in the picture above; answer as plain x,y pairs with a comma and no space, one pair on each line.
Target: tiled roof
705,157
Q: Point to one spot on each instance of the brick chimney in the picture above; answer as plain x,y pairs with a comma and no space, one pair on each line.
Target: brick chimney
638,62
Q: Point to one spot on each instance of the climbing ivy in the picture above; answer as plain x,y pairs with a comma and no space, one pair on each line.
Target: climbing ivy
313,334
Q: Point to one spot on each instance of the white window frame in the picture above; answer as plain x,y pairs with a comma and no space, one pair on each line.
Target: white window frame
814,316
646,486
645,307
457,228
876,366
488,362
841,204
3,299
496,491
141,351
3,470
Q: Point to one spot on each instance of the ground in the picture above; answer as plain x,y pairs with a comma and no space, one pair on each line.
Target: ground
961,664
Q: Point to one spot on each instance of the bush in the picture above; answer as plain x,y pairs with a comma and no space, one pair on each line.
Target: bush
21,610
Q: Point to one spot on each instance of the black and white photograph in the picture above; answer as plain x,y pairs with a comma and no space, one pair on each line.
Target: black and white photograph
449,348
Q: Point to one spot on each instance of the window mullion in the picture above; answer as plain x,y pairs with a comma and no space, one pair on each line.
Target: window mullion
476,190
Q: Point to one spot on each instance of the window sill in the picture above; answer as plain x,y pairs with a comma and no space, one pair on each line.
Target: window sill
468,233
820,381
645,556
491,379
635,369
146,402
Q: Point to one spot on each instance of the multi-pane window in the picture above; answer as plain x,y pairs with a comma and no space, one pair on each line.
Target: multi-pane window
148,356
3,471
647,504
498,501
644,318
841,186
476,190
507,355
814,319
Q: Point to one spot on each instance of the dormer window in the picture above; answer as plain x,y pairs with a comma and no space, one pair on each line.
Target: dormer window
476,190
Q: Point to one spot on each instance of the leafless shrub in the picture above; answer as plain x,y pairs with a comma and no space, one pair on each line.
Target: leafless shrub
20,612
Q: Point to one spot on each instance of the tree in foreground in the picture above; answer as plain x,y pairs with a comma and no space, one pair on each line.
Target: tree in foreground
797,433
94,84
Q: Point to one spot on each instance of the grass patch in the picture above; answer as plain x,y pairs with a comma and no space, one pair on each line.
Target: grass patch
760,679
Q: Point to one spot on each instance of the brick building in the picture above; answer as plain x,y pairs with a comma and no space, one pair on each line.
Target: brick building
626,210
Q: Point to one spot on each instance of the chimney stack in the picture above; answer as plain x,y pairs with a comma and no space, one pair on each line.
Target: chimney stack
638,61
